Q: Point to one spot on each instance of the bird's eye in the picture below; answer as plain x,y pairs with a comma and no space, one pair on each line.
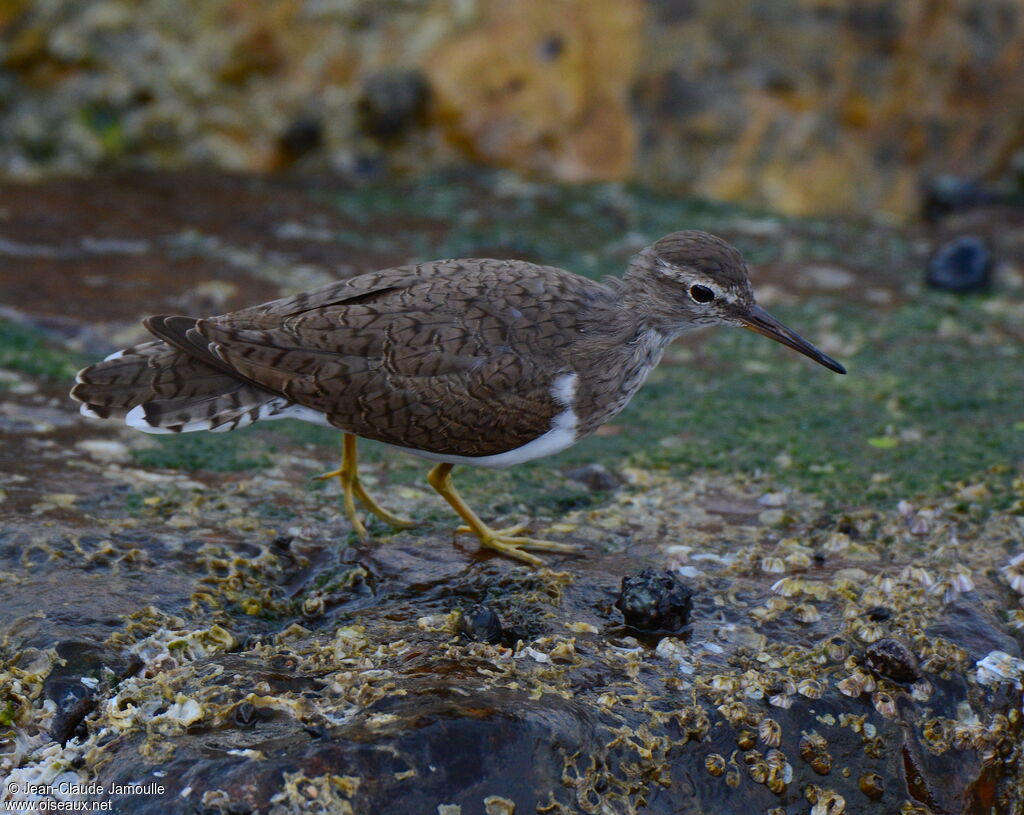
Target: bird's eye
701,294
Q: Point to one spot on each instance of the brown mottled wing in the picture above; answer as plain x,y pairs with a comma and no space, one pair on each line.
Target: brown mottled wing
452,357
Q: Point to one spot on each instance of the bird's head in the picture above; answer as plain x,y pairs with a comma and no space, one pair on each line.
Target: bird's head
702,280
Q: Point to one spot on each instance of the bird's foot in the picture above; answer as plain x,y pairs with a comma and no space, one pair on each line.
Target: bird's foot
504,533
353,489
328,476
505,541
511,545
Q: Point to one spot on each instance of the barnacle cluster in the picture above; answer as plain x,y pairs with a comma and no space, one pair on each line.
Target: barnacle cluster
803,679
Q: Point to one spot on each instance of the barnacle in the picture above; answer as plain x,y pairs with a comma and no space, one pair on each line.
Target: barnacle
825,802
811,688
1013,572
769,732
884,704
814,750
871,785
772,565
714,763
837,648
807,613
789,586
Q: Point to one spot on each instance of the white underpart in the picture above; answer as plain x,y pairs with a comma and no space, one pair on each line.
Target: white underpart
560,435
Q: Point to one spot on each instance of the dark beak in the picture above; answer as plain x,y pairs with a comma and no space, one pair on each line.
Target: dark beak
759,320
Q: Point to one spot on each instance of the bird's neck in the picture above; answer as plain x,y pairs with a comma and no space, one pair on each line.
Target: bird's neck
655,304
619,346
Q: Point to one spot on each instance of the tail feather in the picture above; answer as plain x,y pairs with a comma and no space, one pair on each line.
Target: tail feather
158,388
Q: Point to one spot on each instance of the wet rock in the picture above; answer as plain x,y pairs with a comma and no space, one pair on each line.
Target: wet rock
73,683
945,194
892,658
481,624
962,265
73,701
304,135
414,753
249,715
347,704
596,477
655,601
392,103
969,623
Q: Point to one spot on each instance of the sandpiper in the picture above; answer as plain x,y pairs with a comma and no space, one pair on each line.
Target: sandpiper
473,361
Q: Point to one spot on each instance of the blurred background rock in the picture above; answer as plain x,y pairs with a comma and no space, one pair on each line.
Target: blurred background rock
802,106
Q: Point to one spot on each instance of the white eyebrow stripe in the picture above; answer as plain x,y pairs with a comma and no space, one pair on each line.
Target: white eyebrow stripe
687,279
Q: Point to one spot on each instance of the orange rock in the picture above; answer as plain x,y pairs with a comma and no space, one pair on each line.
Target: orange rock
543,86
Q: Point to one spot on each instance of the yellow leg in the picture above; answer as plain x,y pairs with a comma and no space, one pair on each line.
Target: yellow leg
504,541
352,488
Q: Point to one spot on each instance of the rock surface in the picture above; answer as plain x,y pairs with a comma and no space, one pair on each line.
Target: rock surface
802,106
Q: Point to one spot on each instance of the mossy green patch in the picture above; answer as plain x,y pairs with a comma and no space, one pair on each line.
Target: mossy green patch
938,411
134,503
229,452
27,351
105,123
591,229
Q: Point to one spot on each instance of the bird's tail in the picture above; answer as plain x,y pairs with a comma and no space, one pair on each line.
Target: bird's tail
157,388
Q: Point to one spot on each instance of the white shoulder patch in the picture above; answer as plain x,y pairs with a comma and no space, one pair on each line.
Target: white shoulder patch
563,390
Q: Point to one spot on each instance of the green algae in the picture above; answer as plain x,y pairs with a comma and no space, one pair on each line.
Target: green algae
26,350
945,407
207,451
